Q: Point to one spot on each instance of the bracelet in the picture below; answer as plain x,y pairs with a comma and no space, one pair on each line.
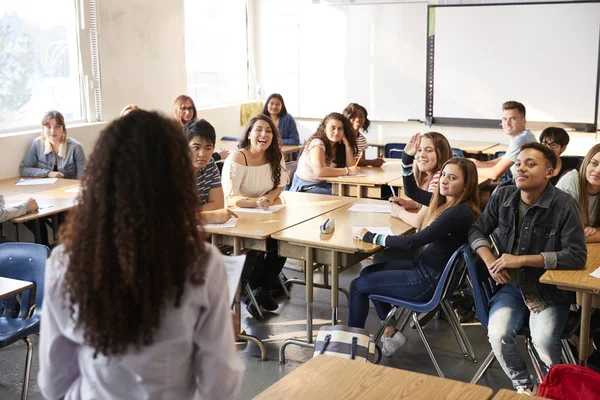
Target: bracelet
347,172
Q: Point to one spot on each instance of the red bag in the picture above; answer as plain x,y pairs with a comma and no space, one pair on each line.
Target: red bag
568,381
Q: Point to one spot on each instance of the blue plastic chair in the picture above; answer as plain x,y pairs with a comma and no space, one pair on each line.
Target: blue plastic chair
457,152
447,283
230,138
484,288
26,262
507,175
393,150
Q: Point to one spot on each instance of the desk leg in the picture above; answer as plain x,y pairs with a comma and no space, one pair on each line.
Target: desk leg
340,188
308,271
334,287
584,333
237,247
55,227
359,192
36,231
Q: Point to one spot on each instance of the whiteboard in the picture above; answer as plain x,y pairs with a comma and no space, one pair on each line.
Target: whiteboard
321,57
543,55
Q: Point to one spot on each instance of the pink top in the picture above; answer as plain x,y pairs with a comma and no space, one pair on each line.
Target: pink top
305,170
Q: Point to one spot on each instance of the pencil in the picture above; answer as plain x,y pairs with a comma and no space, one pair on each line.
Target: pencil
233,214
358,159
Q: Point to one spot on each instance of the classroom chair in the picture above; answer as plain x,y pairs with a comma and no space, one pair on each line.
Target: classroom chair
448,282
230,138
507,175
26,262
483,288
457,152
291,167
393,150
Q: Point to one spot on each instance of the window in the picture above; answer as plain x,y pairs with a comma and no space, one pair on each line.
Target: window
216,51
39,62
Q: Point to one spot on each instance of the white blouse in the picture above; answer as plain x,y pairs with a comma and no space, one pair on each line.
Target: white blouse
250,181
193,352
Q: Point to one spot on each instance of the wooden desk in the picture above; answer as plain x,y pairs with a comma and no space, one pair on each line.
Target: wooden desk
327,377
9,287
587,289
52,199
233,146
253,230
469,146
371,185
498,147
505,394
338,250
482,181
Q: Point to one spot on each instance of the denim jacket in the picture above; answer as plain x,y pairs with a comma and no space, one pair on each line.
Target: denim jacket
552,227
39,160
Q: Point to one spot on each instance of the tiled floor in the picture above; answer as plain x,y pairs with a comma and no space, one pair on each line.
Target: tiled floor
288,322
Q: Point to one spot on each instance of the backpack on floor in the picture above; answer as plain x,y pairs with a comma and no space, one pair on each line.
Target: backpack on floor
568,381
345,342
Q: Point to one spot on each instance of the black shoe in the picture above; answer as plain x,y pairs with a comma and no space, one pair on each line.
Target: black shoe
253,311
265,300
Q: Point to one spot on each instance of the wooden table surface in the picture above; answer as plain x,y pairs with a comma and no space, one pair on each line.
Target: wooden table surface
506,394
392,170
579,279
470,146
298,207
9,287
498,147
52,198
307,233
327,377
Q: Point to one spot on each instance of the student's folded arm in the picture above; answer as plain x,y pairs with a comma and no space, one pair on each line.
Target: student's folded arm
595,238
28,166
7,213
497,170
411,189
79,156
485,225
414,219
350,156
573,254
317,156
216,200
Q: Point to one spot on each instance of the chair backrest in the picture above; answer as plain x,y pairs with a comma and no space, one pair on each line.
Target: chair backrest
393,150
482,284
230,138
291,167
27,262
507,175
457,152
501,185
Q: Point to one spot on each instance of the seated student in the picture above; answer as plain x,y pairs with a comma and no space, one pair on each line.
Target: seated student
538,228
254,176
127,109
584,186
330,151
558,139
420,178
275,108
137,308
184,111
513,123
452,210
201,139
357,115
8,213
53,154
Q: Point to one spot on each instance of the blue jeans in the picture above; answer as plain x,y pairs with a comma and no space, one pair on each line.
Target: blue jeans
300,185
407,280
508,315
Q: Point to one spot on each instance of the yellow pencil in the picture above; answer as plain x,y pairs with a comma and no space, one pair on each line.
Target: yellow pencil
358,159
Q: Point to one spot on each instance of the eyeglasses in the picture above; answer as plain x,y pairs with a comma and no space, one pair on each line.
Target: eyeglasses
552,145
187,108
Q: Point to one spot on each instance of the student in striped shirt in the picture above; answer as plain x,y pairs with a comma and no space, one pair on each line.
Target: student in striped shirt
201,139
357,115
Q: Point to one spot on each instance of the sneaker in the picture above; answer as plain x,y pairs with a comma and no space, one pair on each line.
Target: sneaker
389,345
265,300
525,390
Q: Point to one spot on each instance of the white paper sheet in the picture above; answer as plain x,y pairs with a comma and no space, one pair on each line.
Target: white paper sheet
372,208
229,224
30,182
596,273
74,190
271,210
385,230
234,266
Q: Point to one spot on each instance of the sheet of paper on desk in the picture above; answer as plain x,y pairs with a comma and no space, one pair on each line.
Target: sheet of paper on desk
596,273
271,210
372,208
234,266
229,224
74,190
43,181
385,230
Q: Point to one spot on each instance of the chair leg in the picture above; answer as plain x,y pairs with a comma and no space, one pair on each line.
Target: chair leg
25,389
282,283
426,343
568,356
385,323
489,360
534,359
253,299
459,332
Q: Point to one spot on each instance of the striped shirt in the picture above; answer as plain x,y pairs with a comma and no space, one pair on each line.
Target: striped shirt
208,178
361,143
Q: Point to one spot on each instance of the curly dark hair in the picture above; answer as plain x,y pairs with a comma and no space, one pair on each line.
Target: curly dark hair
340,158
352,109
133,240
273,153
277,96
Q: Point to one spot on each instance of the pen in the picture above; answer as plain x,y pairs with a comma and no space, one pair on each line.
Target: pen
393,192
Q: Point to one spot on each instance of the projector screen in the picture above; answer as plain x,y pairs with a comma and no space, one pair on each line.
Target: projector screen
543,55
